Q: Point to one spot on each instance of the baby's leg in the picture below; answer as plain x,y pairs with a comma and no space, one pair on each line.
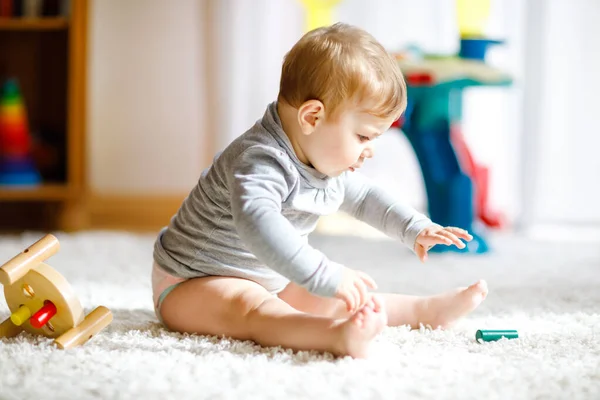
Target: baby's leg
244,310
437,311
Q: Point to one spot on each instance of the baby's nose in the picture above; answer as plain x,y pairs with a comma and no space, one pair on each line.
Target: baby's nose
368,152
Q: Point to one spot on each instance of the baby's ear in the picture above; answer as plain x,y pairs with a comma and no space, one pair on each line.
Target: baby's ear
310,113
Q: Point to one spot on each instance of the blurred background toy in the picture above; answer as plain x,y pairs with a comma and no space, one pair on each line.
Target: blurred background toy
319,13
17,166
457,185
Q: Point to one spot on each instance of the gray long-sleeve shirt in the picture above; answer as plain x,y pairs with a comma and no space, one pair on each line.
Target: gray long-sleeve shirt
251,213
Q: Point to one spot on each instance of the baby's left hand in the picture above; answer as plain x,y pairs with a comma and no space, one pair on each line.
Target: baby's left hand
437,234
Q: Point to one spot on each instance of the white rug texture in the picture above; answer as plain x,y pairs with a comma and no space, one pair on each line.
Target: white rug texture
549,292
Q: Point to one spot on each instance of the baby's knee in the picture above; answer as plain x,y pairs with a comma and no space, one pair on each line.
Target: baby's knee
249,304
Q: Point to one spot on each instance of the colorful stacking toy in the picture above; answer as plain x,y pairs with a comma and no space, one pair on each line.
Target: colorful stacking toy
16,164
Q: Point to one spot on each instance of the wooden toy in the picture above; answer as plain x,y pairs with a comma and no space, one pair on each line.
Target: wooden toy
43,303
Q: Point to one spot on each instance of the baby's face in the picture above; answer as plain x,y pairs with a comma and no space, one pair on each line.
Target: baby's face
344,144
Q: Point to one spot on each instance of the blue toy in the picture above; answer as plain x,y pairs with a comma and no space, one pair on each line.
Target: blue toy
435,86
456,186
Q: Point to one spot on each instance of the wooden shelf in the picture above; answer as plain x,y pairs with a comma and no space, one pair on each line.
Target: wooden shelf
47,55
34,24
35,193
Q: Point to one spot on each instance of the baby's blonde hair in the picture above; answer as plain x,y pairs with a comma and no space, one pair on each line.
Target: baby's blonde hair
338,64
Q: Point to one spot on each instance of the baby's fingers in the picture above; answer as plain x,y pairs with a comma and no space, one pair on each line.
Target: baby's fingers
367,279
347,298
452,237
363,293
351,301
357,299
461,233
438,238
421,252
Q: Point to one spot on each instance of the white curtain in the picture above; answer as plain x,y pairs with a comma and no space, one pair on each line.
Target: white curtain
250,37
561,166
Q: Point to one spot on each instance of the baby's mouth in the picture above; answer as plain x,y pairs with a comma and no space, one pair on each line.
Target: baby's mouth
356,166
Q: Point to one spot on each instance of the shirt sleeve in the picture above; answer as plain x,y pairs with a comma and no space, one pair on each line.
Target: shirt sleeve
259,183
373,205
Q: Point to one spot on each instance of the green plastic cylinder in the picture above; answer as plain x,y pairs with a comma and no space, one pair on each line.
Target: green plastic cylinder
493,335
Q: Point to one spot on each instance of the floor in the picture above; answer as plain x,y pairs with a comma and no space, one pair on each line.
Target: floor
549,292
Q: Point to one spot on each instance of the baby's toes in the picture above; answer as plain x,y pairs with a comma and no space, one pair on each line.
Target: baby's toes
368,314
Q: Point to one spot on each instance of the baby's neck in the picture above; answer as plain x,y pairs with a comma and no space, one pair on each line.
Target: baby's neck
289,122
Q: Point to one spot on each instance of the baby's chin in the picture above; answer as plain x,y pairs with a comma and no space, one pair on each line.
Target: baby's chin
338,173
334,174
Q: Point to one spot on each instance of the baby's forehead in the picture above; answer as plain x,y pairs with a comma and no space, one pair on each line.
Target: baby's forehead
364,117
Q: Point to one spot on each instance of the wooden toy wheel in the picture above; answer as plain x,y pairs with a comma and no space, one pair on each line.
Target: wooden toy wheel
43,303
42,283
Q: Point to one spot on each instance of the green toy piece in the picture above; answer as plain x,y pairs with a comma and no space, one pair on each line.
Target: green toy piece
491,336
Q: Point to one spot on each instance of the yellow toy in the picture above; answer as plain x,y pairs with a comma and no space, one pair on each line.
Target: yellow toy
319,13
43,303
472,17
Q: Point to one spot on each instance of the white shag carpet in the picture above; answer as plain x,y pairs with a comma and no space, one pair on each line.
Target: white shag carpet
550,293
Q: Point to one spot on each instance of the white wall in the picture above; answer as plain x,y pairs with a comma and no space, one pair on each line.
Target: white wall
249,40
145,96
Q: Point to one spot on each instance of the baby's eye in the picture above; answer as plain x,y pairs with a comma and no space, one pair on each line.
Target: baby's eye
363,138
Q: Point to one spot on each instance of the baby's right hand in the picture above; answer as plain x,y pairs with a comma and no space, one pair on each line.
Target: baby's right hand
353,289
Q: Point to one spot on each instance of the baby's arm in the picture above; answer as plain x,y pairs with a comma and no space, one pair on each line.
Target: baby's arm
373,205
259,184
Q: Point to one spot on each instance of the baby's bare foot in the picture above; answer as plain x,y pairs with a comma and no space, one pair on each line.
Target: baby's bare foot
443,310
358,331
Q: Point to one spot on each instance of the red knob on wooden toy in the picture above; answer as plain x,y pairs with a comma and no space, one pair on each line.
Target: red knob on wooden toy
43,315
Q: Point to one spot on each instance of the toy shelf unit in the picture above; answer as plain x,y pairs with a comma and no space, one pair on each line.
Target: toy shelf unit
42,111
